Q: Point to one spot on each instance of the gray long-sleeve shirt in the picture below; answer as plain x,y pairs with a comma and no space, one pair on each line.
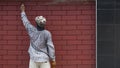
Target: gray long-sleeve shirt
41,47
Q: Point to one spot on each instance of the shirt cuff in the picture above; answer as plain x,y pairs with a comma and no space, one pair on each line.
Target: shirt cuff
53,59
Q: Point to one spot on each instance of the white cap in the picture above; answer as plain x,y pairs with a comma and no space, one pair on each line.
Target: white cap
40,20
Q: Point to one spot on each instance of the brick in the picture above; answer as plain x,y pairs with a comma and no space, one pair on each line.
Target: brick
88,22
14,3
74,52
88,62
3,52
54,27
1,28
32,13
10,8
57,37
3,13
88,51
15,23
60,42
85,66
14,52
25,42
84,47
88,42
42,3
19,47
74,42
9,66
21,28
51,8
83,7
38,8
58,47
73,32
93,17
23,66
69,37
59,32
69,57
14,42
71,47
74,22
69,7
90,12
28,8
23,57
63,62
69,18
3,42
1,37
9,18
9,57
1,65
93,47
93,7
31,4
25,62
9,47
1,18
61,52
15,62
54,17
84,57
93,57
24,33
25,52
59,23
13,13
59,13
70,66
9,27
84,27
84,17
44,13
0,7
93,27
84,37
14,32
3,62
74,12
49,23
88,32
9,38
3,3
69,27
73,62
22,37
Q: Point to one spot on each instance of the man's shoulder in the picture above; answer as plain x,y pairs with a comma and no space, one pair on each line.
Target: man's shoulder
47,31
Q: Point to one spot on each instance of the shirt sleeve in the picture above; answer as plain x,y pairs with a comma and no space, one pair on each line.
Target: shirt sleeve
29,27
51,49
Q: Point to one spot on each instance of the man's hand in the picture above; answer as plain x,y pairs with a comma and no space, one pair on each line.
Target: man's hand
53,64
22,7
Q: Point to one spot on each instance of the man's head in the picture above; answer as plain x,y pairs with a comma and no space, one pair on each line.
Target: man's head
40,20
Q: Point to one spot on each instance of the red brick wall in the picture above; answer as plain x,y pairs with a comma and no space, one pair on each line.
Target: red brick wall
72,27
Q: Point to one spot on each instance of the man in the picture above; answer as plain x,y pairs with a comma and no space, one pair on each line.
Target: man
41,49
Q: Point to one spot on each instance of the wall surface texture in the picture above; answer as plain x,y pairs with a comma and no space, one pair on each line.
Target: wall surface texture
72,26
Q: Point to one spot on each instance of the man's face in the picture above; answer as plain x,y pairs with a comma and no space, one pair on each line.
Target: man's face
41,24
